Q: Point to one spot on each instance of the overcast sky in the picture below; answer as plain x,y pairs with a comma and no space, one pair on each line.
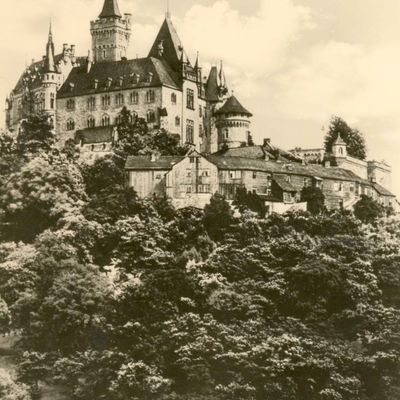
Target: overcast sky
293,63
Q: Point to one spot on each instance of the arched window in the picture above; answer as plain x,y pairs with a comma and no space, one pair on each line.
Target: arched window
173,98
70,125
340,150
151,117
105,101
91,122
118,120
105,121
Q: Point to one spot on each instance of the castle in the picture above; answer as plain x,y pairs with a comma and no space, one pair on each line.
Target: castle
84,97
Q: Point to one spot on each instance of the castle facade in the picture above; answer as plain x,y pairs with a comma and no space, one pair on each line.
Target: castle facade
85,95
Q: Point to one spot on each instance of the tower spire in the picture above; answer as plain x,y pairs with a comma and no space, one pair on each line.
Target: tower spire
110,9
168,13
49,64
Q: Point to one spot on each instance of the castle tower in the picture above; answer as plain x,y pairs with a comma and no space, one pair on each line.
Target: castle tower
52,79
339,148
110,33
233,124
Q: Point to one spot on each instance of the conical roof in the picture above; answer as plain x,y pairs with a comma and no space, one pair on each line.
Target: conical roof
49,63
233,106
110,9
172,45
212,91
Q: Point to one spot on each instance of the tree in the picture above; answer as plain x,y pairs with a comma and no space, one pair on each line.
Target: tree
36,135
135,138
11,390
354,139
245,200
38,196
368,210
315,199
218,217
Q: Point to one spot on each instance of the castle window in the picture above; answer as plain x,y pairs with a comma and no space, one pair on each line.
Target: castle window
105,121
118,120
52,101
70,125
91,103
226,133
105,101
150,96
151,117
177,121
71,104
119,99
173,98
190,99
254,175
201,130
200,111
204,189
134,97
91,122
189,131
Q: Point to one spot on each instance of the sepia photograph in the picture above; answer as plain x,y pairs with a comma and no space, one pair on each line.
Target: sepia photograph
199,200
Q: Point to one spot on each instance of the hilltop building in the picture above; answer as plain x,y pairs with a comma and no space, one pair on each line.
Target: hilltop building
84,94
84,97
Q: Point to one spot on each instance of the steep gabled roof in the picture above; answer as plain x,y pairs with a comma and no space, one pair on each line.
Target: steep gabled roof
122,74
284,184
381,190
233,106
110,9
172,45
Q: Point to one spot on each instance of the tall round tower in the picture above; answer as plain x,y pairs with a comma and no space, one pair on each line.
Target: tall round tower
233,123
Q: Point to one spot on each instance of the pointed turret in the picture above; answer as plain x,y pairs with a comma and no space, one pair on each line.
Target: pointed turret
49,63
221,77
110,9
173,51
196,65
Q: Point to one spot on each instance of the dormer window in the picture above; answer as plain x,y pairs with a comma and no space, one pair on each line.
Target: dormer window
149,77
71,86
95,83
121,80
109,82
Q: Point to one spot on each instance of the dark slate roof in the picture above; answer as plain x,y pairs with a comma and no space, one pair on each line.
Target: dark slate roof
110,9
259,152
381,190
145,163
172,45
100,134
318,171
212,92
82,82
233,106
283,184
36,71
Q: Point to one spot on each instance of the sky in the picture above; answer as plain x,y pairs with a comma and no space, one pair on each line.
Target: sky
292,63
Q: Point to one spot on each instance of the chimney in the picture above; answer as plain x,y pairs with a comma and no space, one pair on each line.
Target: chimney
128,18
65,46
267,142
73,50
327,164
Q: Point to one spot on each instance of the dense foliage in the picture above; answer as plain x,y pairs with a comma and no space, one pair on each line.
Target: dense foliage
120,298
315,199
354,139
